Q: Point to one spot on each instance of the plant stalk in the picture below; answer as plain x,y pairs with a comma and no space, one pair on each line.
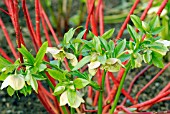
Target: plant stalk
113,107
101,93
72,111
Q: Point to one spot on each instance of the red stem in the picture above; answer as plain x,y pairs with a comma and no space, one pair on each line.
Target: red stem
8,39
37,16
151,81
2,52
29,24
162,7
127,20
151,101
146,10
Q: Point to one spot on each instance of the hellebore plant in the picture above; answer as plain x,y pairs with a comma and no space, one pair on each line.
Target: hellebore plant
99,53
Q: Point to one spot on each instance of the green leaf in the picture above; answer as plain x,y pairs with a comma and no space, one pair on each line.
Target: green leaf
26,54
59,89
40,54
97,44
94,85
154,22
10,91
79,74
80,35
68,35
108,34
3,76
38,77
147,56
4,63
42,67
145,26
132,32
104,43
120,47
58,75
123,57
159,48
71,96
157,59
137,22
157,30
34,84
82,62
80,83
102,58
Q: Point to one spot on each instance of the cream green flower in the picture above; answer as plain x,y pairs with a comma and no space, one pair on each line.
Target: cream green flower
64,100
164,42
61,54
56,53
72,58
112,65
93,66
16,81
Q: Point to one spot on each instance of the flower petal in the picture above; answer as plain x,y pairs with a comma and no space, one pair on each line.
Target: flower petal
52,50
94,65
17,82
73,58
92,71
164,42
111,61
63,99
5,83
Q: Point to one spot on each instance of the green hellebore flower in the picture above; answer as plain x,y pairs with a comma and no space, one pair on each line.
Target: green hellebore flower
61,54
112,65
16,81
64,100
93,66
56,53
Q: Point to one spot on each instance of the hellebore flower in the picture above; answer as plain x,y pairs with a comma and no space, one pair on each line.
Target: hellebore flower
112,65
16,81
164,42
61,54
72,58
56,53
92,67
64,100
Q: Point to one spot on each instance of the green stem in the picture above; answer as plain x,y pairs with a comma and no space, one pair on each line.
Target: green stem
72,111
100,102
113,107
58,98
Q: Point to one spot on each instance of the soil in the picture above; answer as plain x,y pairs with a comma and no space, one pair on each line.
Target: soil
32,105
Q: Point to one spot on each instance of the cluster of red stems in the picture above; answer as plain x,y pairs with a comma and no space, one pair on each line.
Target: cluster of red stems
95,20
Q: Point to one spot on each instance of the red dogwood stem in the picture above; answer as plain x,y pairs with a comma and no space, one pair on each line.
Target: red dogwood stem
3,53
127,20
151,81
162,7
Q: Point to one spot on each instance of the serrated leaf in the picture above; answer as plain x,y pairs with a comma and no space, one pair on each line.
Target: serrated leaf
42,67
104,43
26,54
80,83
71,97
157,60
58,75
34,84
82,62
132,32
157,30
59,89
97,44
80,35
154,22
40,54
137,22
108,34
10,91
120,47
4,63
69,35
